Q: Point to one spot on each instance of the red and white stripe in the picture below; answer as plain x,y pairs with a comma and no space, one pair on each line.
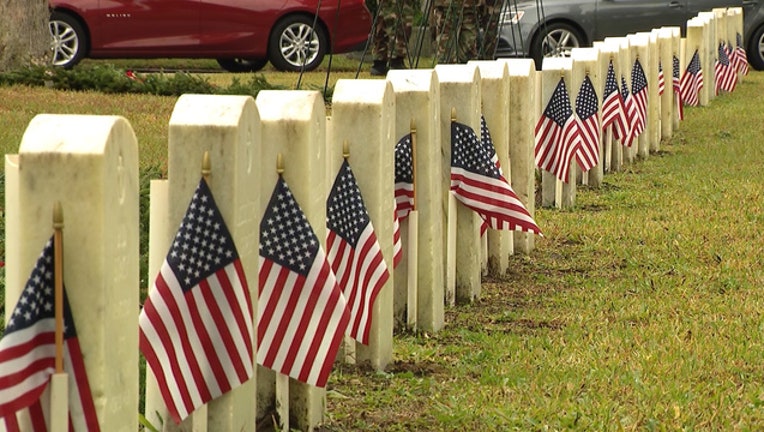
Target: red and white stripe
301,321
198,343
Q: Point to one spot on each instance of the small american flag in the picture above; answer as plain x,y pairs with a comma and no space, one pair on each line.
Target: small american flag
353,251
692,81
587,109
302,312
630,113
404,177
725,75
613,115
639,92
557,134
477,182
661,80
196,327
677,87
739,56
28,354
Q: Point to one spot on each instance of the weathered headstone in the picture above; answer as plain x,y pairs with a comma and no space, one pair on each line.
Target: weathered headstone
417,99
90,165
363,116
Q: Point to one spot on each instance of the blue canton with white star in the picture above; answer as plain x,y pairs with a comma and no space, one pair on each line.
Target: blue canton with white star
37,300
638,78
559,108
586,101
404,171
468,153
203,244
345,211
286,237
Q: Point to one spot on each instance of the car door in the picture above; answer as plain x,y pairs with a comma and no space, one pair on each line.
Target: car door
621,17
238,26
147,27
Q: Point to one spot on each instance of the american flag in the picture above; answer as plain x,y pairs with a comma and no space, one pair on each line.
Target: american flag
630,114
302,312
477,182
353,251
725,74
196,325
613,114
587,109
692,81
487,142
677,88
739,57
661,80
28,354
639,93
557,134
404,177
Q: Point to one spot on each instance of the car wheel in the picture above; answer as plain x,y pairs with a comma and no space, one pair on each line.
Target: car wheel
237,65
756,49
295,46
69,41
555,40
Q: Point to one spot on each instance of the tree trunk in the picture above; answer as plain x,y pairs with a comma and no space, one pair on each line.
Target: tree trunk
24,34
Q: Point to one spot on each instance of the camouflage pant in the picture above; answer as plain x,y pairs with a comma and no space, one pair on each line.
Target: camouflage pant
456,27
393,28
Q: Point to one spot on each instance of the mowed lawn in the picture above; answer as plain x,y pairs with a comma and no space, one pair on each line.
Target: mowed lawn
640,309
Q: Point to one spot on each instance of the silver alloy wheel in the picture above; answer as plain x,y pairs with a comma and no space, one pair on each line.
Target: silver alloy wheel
64,44
761,46
559,43
299,44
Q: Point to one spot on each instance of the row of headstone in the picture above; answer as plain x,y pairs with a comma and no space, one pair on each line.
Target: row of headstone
90,165
655,51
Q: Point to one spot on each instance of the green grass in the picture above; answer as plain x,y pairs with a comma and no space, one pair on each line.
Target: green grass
640,309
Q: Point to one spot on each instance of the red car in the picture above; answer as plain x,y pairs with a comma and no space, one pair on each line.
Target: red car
243,35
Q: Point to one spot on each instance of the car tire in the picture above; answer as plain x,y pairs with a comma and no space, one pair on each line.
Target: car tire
756,49
555,40
239,65
69,40
293,46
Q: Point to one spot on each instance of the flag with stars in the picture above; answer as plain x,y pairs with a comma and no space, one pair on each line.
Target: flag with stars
725,77
354,253
692,81
613,115
477,182
739,56
557,134
630,111
661,80
677,87
639,93
302,312
404,177
28,355
587,109
196,327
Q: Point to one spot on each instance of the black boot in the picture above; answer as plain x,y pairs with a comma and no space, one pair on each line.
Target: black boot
379,68
397,63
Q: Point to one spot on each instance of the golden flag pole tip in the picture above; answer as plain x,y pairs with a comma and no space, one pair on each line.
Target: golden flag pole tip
453,114
280,164
345,149
58,215
206,165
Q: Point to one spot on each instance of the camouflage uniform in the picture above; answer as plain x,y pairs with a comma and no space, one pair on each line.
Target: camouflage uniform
455,30
488,13
393,29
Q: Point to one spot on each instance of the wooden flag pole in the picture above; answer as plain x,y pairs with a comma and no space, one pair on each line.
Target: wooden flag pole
412,304
58,270
282,381
451,235
348,344
59,382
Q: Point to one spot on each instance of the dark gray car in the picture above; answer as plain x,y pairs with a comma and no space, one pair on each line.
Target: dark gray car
566,24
